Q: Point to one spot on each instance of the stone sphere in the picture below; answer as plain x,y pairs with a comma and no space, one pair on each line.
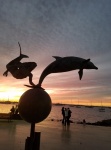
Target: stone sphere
34,105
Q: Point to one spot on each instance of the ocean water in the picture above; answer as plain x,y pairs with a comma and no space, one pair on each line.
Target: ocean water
78,114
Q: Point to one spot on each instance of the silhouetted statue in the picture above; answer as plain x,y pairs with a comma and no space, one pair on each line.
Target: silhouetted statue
66,64
20,70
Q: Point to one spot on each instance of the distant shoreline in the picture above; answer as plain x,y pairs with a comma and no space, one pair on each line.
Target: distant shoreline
8,102
58,104
75,105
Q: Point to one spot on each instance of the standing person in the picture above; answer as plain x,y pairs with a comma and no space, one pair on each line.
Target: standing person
12,111
66,116
84,122
69,115
16,110
63,114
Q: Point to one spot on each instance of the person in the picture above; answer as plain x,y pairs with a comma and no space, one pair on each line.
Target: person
63,114
16,110
69,115
66,116
12,111
84,122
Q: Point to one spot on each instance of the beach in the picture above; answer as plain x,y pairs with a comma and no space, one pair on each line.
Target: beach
55,136
78,114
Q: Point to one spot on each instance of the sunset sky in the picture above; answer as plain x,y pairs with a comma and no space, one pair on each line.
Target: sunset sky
47,28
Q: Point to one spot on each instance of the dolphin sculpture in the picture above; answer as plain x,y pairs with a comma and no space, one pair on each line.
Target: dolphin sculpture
64,64
20,70
14,63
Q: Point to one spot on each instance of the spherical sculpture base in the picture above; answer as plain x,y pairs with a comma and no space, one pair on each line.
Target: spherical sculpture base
34,105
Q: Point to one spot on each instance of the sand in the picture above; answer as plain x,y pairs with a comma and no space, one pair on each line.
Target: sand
55,136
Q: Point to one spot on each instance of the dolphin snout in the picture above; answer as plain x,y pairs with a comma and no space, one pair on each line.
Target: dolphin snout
96,68
33,64
25,56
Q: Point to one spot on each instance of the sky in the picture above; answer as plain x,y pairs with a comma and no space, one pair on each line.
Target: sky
80,28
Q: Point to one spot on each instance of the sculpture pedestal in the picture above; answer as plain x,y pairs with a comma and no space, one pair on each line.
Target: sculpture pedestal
34,106
33,142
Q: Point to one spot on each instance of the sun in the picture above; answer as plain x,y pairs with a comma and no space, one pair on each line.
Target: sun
11,95
49,91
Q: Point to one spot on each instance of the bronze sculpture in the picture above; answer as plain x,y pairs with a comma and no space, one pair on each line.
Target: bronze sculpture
35,104
20,70
61,64
64,64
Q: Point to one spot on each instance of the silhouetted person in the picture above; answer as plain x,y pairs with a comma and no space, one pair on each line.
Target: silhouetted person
12,111
66,116
16,110
63,114
69,115
84,122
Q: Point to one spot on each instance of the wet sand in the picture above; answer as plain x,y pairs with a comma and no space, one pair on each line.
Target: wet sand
55,136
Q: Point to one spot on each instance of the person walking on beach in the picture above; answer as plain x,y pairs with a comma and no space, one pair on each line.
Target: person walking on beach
63,114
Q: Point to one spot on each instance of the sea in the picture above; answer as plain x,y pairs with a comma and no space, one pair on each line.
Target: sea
90,114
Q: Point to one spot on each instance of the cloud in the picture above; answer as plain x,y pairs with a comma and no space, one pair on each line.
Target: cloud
59,28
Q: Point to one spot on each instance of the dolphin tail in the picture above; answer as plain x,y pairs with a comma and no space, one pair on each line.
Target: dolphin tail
86,61
80,72
5,73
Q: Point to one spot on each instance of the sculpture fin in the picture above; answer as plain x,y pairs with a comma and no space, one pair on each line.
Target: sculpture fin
20,48
57,57
22,55
80,73
86,61
82,67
